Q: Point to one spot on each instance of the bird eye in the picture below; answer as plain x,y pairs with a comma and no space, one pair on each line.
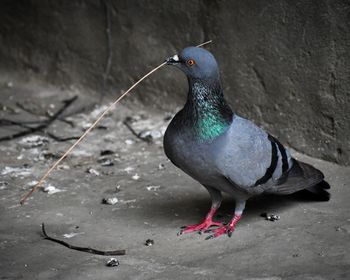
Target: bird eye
190,62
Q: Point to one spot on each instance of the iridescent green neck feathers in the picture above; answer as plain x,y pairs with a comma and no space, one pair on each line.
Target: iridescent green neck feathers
207,110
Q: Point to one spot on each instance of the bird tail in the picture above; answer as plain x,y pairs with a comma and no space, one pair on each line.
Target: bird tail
319,191
303,176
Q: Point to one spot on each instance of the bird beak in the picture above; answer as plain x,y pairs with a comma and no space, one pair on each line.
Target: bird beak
173,60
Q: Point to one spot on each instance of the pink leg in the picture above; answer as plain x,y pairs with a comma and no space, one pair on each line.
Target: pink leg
229,228
204,225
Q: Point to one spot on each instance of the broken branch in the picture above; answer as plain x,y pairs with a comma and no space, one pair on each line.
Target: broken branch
82,249
42,126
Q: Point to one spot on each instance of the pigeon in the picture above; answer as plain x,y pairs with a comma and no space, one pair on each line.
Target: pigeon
228,153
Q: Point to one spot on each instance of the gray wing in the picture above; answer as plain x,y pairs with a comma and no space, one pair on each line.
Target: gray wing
250,158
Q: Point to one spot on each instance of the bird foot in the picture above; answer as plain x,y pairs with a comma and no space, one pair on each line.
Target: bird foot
205,225
225,229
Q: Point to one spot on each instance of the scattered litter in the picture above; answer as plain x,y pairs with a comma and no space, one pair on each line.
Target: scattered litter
86,125
129,169
16,171
161,166
72,234
129,142
32,183
21,156
112,262
33,141
152,188
98,111
50,189
110,200
47,155
106,153
270,217
136,177
150,135
93,172
3,185
63,167
106,162
149,242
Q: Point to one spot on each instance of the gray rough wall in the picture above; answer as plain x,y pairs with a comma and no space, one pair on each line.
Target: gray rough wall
284,64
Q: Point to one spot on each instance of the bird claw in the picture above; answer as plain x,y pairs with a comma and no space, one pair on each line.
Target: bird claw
227,229
205,227
200,228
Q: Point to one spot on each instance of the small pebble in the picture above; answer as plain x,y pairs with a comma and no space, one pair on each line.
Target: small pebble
136,177
129,169
152,188
63,167
50,189
106,162
110,200
129,142
270,217
149,242
150,135
112,262
93,172
161,166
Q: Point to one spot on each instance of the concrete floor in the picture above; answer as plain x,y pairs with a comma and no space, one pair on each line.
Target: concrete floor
310,241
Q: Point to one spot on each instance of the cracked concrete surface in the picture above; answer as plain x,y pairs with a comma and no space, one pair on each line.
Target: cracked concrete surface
310,241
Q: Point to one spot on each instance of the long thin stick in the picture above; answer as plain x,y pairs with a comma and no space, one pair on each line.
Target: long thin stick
205,43
24,198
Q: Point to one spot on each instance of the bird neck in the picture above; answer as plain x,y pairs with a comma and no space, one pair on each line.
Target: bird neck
206,108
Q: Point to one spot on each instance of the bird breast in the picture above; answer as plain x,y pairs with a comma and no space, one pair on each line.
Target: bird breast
186,152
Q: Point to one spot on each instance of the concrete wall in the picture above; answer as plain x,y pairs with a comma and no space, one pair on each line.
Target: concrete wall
284,64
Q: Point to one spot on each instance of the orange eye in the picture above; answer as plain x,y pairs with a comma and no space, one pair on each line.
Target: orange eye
190,62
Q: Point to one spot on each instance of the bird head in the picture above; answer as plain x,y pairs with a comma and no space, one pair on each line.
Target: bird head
196,63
